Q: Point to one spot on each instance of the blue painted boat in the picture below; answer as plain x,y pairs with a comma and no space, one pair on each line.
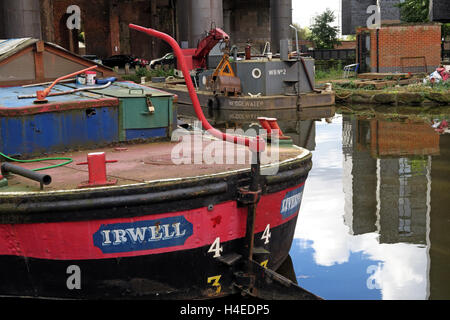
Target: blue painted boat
122,112
147,227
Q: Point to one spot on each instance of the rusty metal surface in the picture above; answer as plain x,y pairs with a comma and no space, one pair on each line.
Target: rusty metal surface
227,85
266,284
11,106
138,163
245,109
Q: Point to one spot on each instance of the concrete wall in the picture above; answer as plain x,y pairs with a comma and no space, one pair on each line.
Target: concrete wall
280,21
440,11
354,13
20,19
204,14
390,13
248,19
105,23
359,179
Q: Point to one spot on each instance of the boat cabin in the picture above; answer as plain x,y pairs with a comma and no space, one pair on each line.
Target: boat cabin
121,112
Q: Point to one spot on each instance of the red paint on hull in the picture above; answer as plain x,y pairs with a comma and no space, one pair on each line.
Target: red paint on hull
74,240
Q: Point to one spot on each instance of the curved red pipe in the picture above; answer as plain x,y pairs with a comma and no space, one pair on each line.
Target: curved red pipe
256,144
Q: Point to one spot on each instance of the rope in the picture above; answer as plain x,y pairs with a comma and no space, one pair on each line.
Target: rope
343,98
69,160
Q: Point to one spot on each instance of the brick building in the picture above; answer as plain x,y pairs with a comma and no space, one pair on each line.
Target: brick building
399,48
105,23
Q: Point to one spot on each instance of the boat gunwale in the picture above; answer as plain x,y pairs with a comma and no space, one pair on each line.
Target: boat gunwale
162,198
50,107
304,156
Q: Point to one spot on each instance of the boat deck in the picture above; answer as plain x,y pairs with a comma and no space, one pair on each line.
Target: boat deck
145,162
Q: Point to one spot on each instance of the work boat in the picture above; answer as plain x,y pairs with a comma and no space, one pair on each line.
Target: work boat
97,202
238,90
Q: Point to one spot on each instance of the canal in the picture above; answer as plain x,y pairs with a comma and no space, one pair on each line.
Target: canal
375,219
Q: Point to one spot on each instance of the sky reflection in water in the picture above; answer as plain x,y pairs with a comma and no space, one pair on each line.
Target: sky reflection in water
329,259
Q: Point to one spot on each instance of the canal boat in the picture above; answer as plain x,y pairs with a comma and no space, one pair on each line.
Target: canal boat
239,90
240,109
98,202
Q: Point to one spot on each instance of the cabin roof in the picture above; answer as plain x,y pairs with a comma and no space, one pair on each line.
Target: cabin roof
9,47
29,61
12,105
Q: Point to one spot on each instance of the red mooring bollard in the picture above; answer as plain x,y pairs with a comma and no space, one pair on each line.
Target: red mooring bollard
274,125
96,163
270,125
265,125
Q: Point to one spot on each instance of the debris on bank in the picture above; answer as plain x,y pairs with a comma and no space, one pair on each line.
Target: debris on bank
442,74
396,89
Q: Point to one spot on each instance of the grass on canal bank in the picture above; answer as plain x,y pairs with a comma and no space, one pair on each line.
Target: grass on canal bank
351,91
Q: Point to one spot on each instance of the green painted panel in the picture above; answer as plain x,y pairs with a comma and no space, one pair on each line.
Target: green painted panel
137,116
129,90
134,111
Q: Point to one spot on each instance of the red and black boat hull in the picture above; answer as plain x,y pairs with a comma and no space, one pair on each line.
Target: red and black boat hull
174,239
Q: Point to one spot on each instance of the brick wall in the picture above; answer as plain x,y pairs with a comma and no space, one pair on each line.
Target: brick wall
105,23
412,46
95,23
346,45
403,138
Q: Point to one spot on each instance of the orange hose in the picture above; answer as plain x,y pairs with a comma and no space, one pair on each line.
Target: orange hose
42,94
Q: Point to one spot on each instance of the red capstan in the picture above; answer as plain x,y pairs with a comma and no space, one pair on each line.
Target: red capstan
97,170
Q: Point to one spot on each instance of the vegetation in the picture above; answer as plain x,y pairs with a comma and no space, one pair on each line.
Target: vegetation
446,30
419,87
418,11
336,71
323,34
414,10
148,74
302,33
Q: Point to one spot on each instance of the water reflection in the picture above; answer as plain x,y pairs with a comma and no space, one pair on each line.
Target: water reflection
374,219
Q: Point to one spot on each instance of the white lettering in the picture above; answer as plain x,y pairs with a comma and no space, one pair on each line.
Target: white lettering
106,240
74,281
137,234
192,310
167,234
178,234
374,21
266,234
291,202
74,21
156,235
119,236
216,248
373,280
277,72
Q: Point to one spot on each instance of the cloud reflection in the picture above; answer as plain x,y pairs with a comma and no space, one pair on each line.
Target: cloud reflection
403,271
